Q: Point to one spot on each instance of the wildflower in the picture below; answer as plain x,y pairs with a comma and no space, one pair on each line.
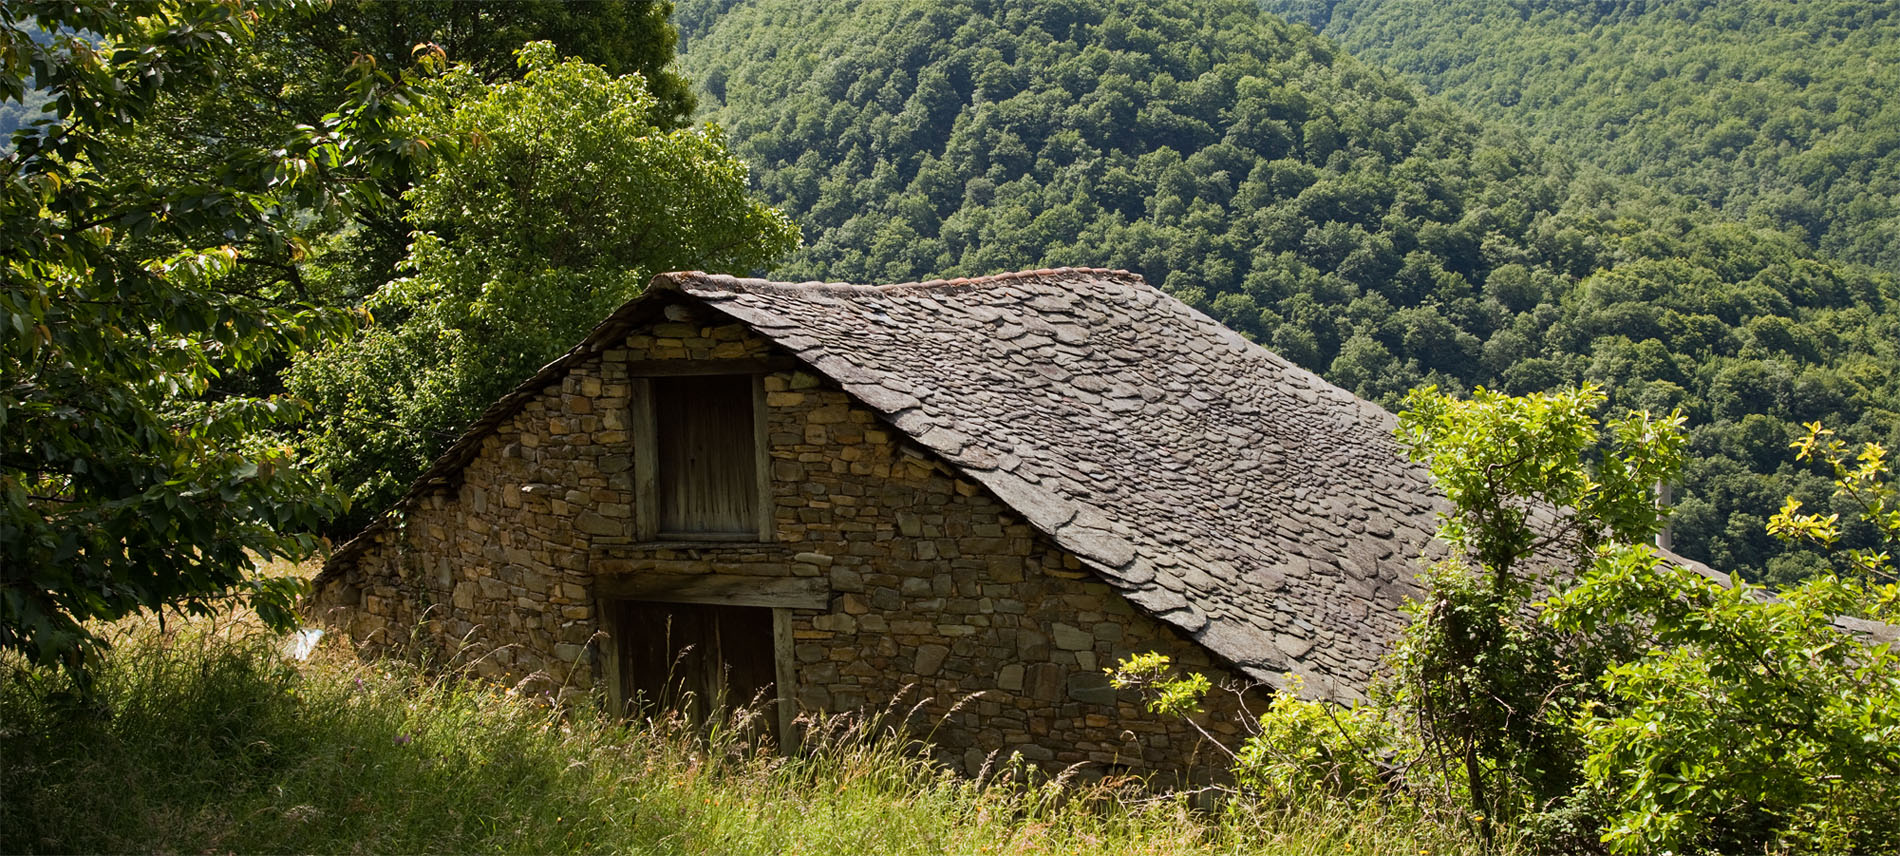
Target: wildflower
403,739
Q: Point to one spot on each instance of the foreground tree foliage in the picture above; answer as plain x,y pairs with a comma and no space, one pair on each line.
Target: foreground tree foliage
1489,691
129,479
565,200
1705,715
295,66
1336,215
1752,720
1646,707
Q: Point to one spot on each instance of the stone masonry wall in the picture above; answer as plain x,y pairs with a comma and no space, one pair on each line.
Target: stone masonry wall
939,592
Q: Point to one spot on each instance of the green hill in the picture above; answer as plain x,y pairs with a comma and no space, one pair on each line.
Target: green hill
17,114
1786,111
1331,212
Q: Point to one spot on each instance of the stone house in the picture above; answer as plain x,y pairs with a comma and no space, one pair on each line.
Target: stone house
822,495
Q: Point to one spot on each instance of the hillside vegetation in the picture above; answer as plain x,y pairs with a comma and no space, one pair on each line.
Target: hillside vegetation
1332,213
1784,111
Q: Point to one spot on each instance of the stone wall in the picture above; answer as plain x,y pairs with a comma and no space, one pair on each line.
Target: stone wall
938,591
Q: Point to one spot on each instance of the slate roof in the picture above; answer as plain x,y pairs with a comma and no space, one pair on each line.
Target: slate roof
1268,514
1265,512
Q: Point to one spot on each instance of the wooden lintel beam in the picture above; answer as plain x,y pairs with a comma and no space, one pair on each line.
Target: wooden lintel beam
719,589
662,368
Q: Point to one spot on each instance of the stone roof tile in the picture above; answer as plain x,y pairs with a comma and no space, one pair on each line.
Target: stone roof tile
1262,511
1221,488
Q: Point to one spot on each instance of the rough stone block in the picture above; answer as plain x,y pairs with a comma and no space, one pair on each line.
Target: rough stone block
1091,687
930,659
594,524
1071,638
1044,681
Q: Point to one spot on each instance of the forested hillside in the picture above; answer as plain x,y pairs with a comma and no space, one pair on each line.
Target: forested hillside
15,115
1327,210
1783,110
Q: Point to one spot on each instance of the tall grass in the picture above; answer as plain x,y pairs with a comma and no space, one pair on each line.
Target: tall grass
207,739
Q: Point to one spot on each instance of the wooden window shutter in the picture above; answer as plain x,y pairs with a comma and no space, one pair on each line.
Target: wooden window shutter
706,455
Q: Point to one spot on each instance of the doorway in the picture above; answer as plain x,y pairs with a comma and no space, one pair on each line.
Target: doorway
701,660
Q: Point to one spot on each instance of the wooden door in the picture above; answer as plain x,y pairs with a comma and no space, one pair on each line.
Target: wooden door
698,659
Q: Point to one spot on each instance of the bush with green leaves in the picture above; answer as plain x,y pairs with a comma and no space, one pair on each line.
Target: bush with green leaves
1298,752
130,477
1304,747
563,200
1752,720
1645,706
1679,712
1492,691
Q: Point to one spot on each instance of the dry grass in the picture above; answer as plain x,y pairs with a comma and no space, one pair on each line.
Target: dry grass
206,738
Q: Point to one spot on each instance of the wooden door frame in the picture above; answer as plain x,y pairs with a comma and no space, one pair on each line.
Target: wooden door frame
784,664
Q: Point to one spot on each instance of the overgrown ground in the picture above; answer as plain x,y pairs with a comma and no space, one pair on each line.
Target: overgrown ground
204,737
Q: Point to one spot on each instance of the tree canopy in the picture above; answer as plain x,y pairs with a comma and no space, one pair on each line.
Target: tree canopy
220,185
128,478
297,60
566,199
1776,111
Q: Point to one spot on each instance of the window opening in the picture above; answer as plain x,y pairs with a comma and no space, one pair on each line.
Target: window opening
706,456
701,660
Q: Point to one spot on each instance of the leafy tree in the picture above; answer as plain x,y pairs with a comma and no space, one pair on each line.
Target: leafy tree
1694,714
297,62
1492,691
566,200
1864,480
128,480
1752,723
620,36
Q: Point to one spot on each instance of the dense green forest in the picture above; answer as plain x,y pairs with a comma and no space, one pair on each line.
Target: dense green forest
15,115
1783,111
1330,211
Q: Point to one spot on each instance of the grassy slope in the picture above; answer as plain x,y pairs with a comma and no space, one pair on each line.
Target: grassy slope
208,740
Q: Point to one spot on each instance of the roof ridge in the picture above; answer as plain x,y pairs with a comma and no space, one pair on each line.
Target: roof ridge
728,282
